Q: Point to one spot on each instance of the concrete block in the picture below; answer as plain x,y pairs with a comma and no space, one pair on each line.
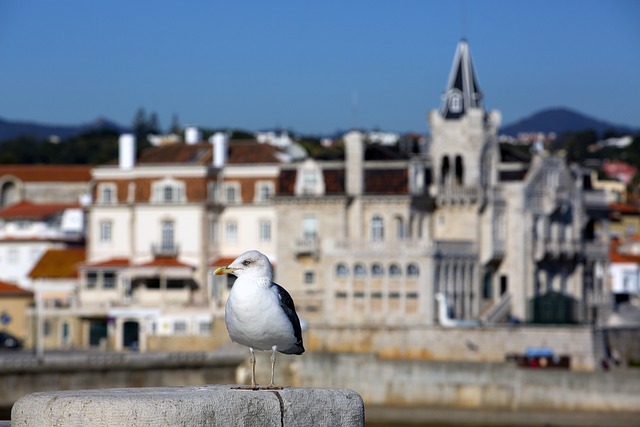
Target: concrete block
211,405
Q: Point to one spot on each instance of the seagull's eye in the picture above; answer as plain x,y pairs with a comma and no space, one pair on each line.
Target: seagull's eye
246,262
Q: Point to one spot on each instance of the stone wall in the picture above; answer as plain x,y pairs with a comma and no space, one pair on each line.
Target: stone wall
24,374
486,386
582,344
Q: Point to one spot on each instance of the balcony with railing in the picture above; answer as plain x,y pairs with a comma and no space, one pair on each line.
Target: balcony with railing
309,246
456,194
455,248
165,249
407,247
555,248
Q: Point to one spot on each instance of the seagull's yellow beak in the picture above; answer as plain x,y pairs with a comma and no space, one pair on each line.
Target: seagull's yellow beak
223,270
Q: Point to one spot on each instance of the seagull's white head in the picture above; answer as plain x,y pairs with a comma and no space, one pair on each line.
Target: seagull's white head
251,263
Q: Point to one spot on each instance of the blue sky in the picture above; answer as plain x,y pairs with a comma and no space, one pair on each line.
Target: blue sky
304,65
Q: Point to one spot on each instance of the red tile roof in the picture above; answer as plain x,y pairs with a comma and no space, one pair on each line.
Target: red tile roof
58,264
247,152
29,210
9,289
376,181
334,182
615,256
239,152
48,173
164,262
177,153
625,208
125,262
111,262
386,181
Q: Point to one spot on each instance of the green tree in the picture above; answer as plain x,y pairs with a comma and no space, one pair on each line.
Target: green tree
577,145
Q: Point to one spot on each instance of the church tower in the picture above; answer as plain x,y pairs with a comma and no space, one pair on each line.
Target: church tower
464,158
464,143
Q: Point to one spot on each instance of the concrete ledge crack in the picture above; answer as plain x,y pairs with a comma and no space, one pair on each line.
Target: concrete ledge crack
281,407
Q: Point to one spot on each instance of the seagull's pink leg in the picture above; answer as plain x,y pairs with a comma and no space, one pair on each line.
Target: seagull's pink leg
252,361
273,365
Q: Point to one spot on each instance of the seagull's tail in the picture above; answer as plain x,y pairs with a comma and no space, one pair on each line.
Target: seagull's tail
297,348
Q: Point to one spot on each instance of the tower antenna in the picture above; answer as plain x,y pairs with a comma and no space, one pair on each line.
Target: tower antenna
463,18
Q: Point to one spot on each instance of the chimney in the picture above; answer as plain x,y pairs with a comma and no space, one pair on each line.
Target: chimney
192,135
219,141
127,151
354,158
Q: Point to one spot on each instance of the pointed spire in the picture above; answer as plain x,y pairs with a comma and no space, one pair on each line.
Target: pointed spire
462,91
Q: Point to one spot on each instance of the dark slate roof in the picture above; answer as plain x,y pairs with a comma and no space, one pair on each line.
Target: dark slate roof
383,152
462,92
510,154
512,175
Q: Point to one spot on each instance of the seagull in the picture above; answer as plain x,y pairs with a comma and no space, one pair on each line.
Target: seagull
260,314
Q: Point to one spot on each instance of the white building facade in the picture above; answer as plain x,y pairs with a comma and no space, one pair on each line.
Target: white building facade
158,225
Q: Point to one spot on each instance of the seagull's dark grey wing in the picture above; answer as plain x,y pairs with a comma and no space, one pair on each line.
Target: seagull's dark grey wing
286,303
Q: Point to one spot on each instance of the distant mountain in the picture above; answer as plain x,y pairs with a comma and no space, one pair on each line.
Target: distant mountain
561,120
14,129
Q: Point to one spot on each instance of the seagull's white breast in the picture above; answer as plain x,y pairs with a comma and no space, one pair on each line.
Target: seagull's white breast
254,316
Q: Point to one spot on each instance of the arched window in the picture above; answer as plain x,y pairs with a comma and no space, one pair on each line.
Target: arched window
444,171
377,270
9,194
394,270
377,228
359,270
459,170
412,270
342,270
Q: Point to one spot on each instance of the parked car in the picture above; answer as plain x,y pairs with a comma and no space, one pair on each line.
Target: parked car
9,341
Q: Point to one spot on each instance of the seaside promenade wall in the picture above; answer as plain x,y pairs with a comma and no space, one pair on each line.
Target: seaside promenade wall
472,385
583,344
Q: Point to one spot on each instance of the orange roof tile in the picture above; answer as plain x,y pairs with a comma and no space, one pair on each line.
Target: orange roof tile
164,262
58,264
28,210
111,262
247,152
618,257
9,289
239,152
48,173
625,208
